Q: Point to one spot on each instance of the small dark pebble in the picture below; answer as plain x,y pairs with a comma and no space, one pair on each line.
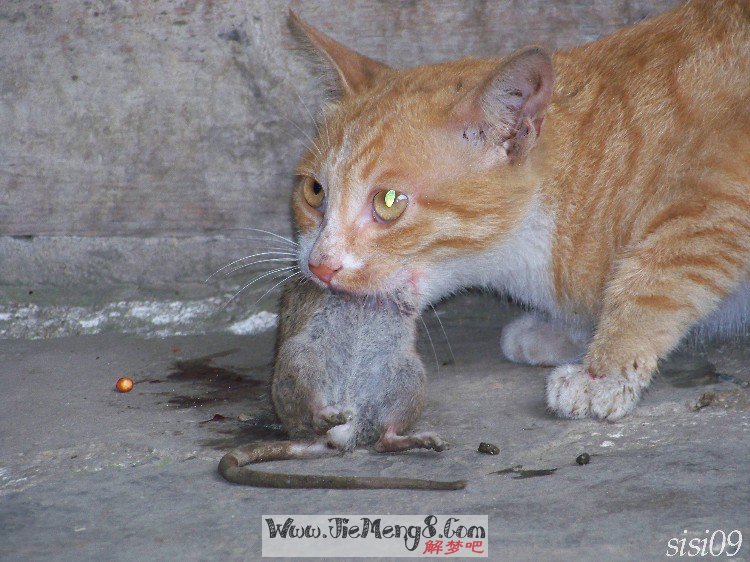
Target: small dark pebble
489,449
583,458
706,399
216,418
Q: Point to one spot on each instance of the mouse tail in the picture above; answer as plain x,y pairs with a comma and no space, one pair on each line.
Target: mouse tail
232,468
232,465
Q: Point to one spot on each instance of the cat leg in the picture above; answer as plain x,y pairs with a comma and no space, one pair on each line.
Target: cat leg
533,340
661,288
391,442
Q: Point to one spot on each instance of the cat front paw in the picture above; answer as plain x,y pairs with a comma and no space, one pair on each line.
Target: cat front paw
535,341
572,392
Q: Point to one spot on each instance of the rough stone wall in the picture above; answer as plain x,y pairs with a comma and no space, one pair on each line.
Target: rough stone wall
132,133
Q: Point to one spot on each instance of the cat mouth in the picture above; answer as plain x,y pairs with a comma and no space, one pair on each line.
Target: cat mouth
397,291
342,282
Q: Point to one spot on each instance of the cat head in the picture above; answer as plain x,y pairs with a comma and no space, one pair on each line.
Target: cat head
413,169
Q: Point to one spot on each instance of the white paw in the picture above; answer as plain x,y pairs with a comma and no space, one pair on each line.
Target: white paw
342,437
530,339
573,393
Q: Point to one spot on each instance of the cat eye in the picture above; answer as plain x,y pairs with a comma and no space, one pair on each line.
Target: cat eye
388,205
313,192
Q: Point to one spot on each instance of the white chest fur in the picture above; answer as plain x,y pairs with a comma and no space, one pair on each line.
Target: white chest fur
519,267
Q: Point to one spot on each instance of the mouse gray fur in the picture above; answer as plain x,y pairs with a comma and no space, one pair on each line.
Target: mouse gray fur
346,375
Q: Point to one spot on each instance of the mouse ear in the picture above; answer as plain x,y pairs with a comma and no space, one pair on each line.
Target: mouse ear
509,105
355,72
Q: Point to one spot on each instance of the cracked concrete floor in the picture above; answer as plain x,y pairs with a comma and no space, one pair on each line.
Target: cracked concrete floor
89,474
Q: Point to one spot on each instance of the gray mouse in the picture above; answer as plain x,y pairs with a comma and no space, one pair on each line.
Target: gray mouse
346,375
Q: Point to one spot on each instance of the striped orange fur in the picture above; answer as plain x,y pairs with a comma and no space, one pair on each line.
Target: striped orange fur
607,186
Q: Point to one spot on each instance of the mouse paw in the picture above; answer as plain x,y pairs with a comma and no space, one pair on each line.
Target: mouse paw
430,440
391,442
329,417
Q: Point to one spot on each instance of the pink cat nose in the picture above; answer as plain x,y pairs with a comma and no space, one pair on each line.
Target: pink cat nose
323,272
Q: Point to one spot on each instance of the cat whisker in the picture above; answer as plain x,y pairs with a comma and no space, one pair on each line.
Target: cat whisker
447,341
287,240
314,144
328,133
254,239
261,236
296,138
309,113
290,261
429,337
258,239
300,129
247,258
255,281
285,279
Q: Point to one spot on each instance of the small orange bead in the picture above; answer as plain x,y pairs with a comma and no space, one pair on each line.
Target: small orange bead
124,384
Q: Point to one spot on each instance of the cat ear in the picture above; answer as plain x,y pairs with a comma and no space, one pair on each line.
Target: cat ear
356,72
508,107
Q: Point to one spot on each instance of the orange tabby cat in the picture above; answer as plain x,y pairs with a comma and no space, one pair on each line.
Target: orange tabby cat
607,187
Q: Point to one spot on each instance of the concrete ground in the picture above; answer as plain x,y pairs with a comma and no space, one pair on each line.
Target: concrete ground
90,474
